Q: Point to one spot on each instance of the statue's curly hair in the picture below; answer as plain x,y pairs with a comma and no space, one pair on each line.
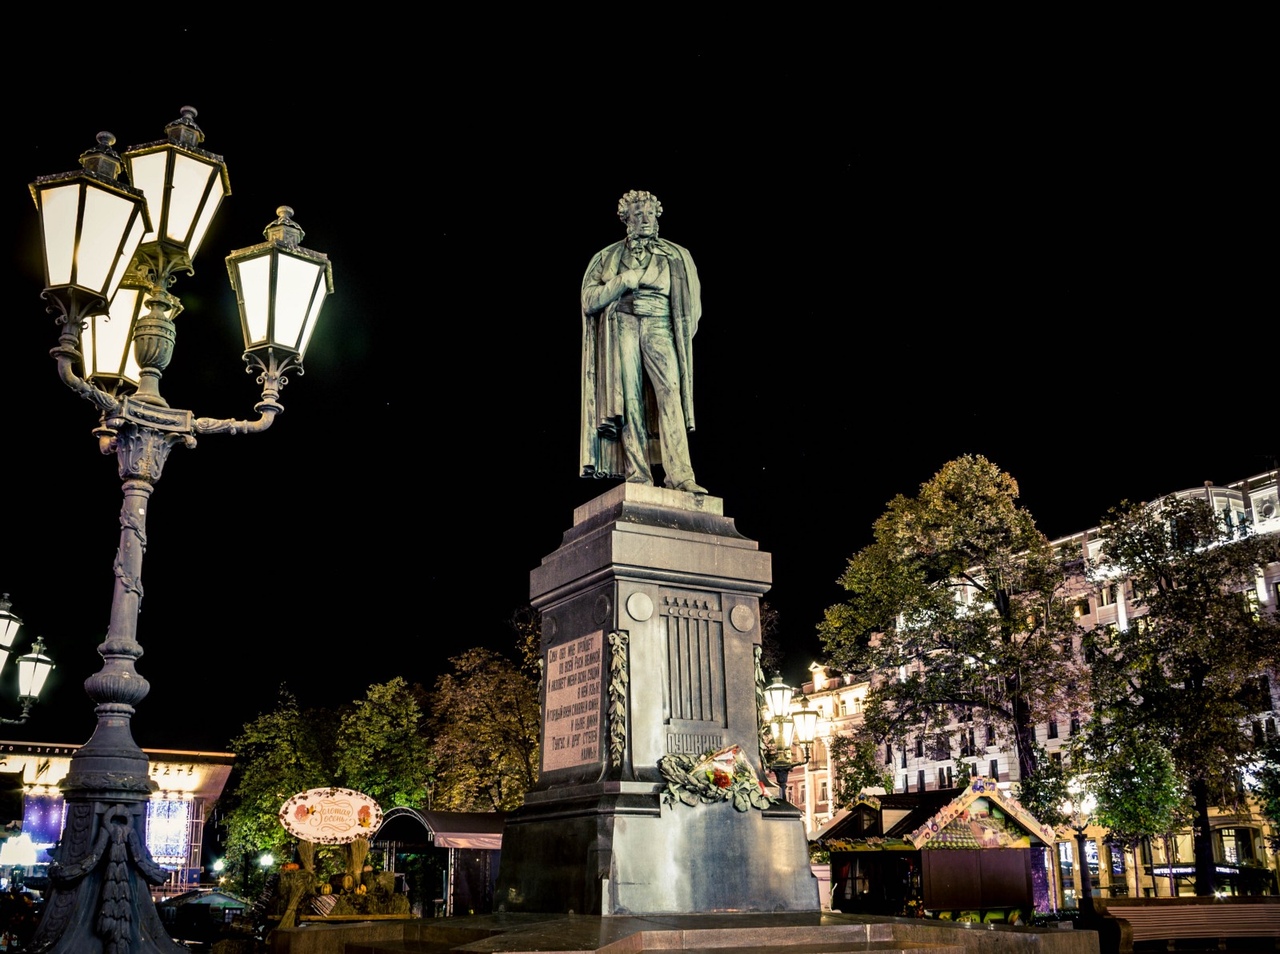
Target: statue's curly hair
636,195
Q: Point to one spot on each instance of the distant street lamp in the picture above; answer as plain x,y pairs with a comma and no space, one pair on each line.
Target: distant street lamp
33,668
111,252
1079,806
788,727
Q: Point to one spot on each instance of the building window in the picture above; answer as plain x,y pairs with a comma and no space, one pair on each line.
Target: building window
991,734
1081,607
942,778
1237,845
920,744
1074,727
1117,860
941,747
1091,856
1053,728
1055,758
920,781
888,753
906,786
904,756
822,792
995,769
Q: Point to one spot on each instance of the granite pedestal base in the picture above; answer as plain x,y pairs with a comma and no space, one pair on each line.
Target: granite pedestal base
650,627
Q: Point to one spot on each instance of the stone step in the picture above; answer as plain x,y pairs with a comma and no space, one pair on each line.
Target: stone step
829,947
826,947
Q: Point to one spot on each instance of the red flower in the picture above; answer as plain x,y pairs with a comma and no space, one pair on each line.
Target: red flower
722,779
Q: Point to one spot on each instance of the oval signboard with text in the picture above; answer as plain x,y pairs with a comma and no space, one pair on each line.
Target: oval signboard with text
330,816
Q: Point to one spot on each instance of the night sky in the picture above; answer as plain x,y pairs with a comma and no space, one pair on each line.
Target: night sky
1049,276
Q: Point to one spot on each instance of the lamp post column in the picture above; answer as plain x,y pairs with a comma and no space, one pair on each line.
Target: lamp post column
100,882
1085,901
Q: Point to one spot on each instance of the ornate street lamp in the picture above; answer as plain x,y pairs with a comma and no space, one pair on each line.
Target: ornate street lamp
788,727
33,668
111,254
1079,806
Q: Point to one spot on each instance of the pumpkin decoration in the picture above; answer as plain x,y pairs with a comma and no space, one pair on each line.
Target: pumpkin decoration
291,866
363,889
326,888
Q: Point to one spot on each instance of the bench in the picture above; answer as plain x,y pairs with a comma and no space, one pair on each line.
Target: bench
1207,920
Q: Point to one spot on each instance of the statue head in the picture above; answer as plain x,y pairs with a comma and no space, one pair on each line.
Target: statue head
639,211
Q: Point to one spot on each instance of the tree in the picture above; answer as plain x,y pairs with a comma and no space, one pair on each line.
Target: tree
278,754
526,624
1132,775
958,607
382,749
1266,786
857,767
374,745
485,723
770,647
1044,791
1186,671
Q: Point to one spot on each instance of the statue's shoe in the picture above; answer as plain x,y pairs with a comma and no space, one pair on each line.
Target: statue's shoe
689,487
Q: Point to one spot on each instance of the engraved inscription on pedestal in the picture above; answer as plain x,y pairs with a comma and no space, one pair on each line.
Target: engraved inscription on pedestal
571,721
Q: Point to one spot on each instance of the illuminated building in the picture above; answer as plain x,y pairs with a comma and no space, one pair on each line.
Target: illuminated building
928,763
186,786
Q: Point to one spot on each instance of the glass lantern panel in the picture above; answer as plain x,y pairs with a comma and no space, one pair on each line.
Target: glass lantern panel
131,243
105,225
59,209
107,338
147,173
190,183
9,626
255,293
33,670
216,195
295,289
806,722
313,317
779,697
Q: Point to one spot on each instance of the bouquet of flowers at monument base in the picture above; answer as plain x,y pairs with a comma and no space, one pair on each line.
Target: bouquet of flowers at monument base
722,776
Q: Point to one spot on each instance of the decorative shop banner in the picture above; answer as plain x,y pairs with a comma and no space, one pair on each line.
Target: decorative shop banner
330,816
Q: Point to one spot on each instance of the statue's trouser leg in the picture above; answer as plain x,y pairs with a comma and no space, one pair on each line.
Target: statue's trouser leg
635,440
657,345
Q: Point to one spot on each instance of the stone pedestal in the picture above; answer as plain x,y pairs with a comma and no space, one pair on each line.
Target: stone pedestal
650,619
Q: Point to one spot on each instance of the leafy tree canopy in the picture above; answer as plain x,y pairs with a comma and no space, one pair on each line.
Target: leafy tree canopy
485,723
857,766
957,606
1266,786
1139,791
381,746
374,745
1188,670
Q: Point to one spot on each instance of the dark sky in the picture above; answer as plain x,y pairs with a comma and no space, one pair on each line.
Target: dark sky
1058,278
